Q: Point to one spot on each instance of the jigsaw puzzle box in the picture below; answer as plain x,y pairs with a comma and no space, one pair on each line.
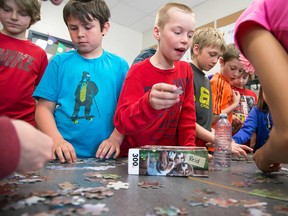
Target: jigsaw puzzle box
168,161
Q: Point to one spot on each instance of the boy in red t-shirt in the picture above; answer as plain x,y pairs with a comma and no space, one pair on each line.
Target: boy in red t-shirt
156,105
22,62
248,99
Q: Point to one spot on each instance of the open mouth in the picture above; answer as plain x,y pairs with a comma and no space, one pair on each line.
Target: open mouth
180,50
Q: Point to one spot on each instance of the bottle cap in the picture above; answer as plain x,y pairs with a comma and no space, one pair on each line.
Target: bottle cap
223,115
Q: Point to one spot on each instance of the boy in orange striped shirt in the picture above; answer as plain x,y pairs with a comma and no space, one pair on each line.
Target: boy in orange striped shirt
224,98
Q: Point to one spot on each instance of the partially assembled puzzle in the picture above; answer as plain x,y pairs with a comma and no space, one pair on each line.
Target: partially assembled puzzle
168,161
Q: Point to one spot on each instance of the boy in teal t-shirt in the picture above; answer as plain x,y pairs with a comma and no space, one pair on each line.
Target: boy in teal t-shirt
78,93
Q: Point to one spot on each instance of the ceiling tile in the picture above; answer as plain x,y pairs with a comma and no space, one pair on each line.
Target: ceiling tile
139,15
111,3
144,24
147,6
190,3
125,15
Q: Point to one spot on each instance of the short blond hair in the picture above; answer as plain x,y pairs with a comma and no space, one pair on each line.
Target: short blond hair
206,37
162,16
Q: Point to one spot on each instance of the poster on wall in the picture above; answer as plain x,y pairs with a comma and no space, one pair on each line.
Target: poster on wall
228,31
52,45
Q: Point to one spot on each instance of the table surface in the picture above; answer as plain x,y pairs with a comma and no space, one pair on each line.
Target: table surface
176,191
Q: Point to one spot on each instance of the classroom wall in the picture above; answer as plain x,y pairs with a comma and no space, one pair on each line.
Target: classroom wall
126,42
208,11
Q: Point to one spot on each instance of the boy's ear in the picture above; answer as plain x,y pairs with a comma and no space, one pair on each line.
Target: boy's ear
106,28
196,49
156,33
221,61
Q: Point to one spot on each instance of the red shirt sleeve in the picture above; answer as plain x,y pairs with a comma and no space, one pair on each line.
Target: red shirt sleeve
9,147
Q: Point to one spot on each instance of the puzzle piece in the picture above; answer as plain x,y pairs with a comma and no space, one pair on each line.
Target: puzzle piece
198,201
66,186
221,202
147,184
110,176
255,211
31,200
97,192
179,90
93,209
118,185
281,209
77,200
170,211
252,203
93,174
47,193
61,201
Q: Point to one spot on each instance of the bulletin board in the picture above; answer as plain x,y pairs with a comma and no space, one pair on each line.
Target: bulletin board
227,24
52,45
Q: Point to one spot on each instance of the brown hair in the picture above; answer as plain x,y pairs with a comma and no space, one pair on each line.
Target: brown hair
31,7
231,53
206,37
261,104
87,10
250,76
163,13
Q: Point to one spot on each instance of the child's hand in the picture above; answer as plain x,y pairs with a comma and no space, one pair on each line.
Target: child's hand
240,150
263,164
236,123
65,152
107,148
163,96
236,97
35,146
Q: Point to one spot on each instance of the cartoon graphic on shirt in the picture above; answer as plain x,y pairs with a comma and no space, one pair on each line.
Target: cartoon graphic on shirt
84,96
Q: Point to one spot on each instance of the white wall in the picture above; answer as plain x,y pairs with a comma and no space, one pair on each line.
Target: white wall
208,11
119,40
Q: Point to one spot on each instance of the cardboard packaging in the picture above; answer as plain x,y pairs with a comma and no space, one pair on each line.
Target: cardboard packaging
168,161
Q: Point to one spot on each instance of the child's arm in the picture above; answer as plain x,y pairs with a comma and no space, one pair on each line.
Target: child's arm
22,147
249,126
231,108
204,134
209,137
110,145
136,111
46,123
272,70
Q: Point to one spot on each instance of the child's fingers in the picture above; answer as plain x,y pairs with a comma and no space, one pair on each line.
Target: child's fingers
59,154
164,87
117,153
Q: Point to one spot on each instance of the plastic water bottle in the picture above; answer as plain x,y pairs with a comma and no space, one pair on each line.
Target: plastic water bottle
222,144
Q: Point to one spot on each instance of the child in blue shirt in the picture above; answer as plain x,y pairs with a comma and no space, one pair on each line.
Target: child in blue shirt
79,90
259,120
